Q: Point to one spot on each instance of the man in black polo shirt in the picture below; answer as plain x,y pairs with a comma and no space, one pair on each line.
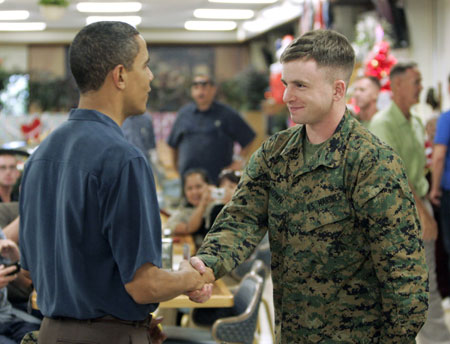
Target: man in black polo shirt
205,131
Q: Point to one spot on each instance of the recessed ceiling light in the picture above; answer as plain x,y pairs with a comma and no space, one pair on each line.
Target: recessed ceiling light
14,15
132,20
245,1
223,25
207,13
31,26
109,7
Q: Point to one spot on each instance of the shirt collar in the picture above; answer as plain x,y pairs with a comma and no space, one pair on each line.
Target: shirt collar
211,107
93,115
330,154
397,115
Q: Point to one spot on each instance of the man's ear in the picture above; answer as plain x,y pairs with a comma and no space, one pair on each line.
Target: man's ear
119,76
339,88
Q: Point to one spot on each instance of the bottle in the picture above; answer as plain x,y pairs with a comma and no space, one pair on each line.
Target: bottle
167,249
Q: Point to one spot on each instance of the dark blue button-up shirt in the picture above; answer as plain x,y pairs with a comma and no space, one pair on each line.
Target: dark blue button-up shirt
89,219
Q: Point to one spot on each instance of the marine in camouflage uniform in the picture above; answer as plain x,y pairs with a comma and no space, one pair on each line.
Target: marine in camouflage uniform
348,263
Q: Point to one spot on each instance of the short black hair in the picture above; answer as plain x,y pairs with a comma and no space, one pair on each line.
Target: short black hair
98,48
326,47
400,68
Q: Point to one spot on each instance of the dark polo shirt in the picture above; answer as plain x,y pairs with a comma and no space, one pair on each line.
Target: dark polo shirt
205,139
89,219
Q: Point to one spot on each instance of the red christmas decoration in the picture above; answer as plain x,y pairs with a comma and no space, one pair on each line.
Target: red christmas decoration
31,130
379,64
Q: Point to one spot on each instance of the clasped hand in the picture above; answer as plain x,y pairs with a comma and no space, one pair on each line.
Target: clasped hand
204,293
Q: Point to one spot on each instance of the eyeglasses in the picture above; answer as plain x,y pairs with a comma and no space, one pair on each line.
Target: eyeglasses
202,83
3,168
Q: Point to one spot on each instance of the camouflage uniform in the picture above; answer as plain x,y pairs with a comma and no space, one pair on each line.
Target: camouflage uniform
348,264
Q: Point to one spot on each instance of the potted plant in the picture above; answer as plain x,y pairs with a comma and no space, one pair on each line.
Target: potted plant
53,9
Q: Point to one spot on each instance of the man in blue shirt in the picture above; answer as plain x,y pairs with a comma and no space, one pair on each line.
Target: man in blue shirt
440,187
90,230
205,131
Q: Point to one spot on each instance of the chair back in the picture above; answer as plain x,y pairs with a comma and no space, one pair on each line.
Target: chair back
241,328
262,252
260,269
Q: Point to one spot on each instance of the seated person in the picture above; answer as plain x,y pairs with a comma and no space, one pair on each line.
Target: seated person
14,323
228,182
8,212
188,218
20,289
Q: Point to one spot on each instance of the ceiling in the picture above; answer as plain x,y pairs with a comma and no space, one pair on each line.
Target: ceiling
162,21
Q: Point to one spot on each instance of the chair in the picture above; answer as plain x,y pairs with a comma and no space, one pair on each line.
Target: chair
30,338
241,328
261,270
262,252
238,328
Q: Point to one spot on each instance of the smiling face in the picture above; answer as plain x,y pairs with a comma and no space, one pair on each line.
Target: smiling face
194,187
309,91
139,78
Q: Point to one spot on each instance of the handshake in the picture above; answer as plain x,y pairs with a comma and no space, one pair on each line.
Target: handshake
203,279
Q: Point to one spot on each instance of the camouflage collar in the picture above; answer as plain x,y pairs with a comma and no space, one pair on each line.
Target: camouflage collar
329,155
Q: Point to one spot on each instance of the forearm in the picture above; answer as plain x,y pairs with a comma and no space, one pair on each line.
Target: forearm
174,158
436,173
11,231
196,219
151,284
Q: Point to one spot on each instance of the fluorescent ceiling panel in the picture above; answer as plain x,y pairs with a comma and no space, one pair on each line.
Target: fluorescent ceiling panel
14,15
193,25
109,7
208,13
245,1
30,26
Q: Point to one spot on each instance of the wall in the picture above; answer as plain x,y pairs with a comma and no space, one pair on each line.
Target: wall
428,22
14,58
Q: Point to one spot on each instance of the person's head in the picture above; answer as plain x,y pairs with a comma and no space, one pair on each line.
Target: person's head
8,170
229,180
194,183
316,70
406,84
431,99
203,91
112,50
366,92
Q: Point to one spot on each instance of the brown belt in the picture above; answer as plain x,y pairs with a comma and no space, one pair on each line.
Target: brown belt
110,319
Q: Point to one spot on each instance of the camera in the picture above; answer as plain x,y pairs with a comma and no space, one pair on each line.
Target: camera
218,194
16,264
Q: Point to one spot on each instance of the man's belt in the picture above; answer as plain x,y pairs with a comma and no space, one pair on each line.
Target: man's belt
110,319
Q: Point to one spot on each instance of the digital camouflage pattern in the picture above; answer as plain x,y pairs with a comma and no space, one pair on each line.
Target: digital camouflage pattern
348,264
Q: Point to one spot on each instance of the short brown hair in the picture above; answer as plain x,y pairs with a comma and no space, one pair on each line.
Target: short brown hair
326,47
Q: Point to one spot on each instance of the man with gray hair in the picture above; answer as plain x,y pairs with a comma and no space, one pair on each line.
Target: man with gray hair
405,133
347,258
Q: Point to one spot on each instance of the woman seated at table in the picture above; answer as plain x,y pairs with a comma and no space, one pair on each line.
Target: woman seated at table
188,218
